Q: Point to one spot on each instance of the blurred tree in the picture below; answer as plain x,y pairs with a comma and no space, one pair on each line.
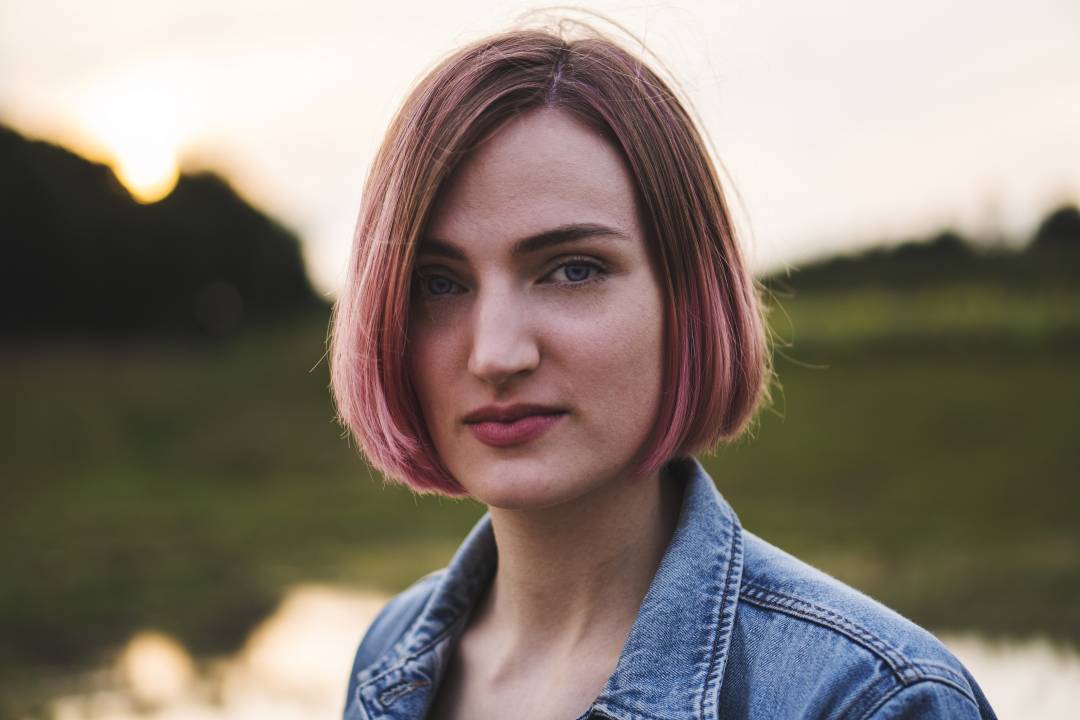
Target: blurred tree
1060,231
1052,259
80,255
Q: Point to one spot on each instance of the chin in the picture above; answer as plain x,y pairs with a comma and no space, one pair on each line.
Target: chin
523,483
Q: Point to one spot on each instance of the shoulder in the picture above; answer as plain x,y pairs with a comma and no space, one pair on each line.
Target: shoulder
391,626
813,646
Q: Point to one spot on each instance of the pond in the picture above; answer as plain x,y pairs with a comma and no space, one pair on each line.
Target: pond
295,666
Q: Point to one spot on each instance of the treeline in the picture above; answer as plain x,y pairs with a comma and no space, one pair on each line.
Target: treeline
1051,258
80,255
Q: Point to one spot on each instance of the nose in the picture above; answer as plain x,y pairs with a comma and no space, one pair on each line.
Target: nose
503,344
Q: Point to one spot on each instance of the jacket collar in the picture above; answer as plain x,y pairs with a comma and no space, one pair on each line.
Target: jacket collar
672,664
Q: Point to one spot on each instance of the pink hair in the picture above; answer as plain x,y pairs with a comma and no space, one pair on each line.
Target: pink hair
716,364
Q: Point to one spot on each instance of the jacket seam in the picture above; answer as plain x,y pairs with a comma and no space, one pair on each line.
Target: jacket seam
405,659
399,649
807,610
723,624
619,709
891,695
907,671
882,701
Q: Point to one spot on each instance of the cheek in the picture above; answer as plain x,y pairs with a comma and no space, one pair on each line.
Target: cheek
433,359
617,354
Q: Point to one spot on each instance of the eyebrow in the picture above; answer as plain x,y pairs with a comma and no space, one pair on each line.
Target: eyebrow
532,243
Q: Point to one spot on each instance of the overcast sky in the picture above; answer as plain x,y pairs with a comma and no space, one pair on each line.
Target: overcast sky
839,122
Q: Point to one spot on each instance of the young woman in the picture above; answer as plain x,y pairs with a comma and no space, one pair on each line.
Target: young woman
547,310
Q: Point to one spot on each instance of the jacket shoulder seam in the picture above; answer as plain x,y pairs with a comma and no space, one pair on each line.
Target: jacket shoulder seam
905,669
889,696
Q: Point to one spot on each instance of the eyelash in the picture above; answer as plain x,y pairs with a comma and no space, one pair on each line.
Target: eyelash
599,274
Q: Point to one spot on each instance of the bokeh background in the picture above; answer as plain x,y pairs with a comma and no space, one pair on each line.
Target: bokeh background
186,532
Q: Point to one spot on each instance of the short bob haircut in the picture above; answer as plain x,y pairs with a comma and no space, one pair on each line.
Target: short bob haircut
716,359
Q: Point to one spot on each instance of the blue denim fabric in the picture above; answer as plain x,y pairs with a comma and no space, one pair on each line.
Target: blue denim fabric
731,627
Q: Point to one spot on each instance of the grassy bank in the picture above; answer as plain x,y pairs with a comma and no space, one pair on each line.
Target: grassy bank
182,487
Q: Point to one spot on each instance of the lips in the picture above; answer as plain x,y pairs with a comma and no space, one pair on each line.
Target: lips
512,424
519,432
509,413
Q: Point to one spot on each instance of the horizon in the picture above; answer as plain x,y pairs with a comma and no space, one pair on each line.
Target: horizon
972,132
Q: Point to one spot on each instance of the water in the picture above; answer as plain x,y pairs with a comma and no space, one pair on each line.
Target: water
295,665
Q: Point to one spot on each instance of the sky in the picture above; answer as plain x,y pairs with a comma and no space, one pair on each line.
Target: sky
839,123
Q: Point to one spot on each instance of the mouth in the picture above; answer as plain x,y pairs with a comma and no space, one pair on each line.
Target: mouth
512,425
510,413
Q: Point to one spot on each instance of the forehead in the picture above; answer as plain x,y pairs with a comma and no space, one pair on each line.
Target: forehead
539,170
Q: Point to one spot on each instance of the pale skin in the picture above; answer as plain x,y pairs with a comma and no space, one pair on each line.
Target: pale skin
576,324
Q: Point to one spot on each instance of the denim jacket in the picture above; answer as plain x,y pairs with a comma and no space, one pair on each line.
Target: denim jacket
731,627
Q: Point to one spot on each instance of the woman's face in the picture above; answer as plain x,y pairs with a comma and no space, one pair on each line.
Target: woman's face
533,287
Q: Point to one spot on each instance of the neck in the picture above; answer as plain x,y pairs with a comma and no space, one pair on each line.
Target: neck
572,577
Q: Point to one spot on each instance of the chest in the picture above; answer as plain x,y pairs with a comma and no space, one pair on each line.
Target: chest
470,690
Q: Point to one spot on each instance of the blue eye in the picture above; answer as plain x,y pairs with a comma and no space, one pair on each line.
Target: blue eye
439,285
578,272
436,285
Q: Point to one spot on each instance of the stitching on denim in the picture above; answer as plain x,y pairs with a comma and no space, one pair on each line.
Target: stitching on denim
837,622
908,672
888,697
945,669
885,697
723,623
880,684
398,666
621,711
386,663
946,675
395,692
403,661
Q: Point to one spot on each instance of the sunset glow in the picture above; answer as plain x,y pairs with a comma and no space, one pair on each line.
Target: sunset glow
971,127
140,121
148,168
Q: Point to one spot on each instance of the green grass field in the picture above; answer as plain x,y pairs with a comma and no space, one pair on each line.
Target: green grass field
925,453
